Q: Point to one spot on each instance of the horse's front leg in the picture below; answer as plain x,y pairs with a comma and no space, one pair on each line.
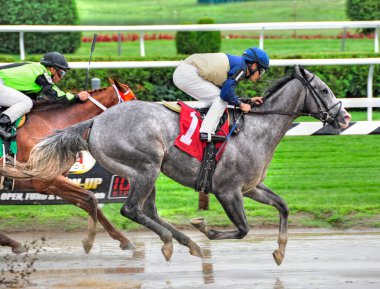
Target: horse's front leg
17,247
233,206
151,211
264,195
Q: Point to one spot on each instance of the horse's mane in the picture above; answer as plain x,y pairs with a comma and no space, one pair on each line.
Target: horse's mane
46,103
278,84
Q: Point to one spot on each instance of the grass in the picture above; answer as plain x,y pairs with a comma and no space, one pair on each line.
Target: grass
148,12
327,181
279,47
175,12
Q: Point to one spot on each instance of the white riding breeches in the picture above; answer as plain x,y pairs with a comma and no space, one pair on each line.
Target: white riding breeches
186,78
18,103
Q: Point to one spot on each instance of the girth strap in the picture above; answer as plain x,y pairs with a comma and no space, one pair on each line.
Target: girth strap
206,172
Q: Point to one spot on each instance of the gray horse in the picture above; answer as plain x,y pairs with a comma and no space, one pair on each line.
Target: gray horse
135,140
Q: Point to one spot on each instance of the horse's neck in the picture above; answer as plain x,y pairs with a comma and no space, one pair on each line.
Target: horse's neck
67,115
274,126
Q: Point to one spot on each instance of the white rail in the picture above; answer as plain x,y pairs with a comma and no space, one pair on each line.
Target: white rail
262,27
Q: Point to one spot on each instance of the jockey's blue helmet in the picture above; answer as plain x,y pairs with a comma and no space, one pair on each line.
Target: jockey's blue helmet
254,54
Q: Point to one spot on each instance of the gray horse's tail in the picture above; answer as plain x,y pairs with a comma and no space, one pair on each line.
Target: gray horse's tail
53,156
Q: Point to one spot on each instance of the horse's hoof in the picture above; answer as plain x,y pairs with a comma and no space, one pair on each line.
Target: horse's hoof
19,250
127,246
195,250
278,256
167,250
87,246
199,223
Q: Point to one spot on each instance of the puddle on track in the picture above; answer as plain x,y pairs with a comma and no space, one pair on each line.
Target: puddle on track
322,259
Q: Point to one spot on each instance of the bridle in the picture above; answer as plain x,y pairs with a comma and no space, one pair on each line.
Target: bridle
323,110
119,94
323,114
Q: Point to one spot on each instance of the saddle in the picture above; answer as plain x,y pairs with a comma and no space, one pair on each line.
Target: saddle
188,140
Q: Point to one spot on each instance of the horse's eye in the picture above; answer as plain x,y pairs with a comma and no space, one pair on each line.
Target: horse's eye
325,91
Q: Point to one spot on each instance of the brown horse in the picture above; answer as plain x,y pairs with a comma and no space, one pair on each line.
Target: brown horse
17,247
43,121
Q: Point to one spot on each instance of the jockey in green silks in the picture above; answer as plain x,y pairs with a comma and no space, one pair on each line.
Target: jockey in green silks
22,82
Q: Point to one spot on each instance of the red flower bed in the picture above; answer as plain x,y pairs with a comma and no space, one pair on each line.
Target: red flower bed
162,36
128,37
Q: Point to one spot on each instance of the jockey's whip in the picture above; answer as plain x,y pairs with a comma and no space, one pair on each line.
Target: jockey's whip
229,134
89,62
93,100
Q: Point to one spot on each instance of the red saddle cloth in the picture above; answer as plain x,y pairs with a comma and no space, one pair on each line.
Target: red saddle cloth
188,138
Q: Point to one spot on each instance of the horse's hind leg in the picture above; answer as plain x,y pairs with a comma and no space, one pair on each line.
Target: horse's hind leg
151,211
76,191
141,187
264,195
74,194
125,243
233,206
83,199
17,248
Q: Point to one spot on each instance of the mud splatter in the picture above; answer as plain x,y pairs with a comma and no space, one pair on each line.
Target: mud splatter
16,270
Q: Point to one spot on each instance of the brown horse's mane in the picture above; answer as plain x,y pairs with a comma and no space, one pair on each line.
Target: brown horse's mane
48,103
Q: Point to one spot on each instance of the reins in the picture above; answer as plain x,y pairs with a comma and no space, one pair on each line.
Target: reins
97,103
101,106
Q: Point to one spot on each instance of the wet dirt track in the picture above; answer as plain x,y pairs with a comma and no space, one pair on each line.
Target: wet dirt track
314,259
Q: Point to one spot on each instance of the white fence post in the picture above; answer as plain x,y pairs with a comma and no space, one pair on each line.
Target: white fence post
369,90
261,45
142,46
22,47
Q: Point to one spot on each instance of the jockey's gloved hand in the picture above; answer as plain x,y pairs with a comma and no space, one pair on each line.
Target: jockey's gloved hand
245,107
254,101
83,95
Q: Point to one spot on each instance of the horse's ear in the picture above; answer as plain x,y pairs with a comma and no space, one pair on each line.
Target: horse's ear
111,81
306,74
126,93
118,84
297,69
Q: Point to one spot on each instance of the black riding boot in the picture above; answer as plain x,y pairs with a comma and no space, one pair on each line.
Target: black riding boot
5,126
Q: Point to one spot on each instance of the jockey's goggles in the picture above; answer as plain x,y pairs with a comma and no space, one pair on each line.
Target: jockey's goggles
260,69
61,73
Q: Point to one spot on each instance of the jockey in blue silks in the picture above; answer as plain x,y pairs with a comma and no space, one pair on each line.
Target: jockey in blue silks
212,79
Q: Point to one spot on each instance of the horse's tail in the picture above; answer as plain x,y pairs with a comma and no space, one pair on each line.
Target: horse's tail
53,156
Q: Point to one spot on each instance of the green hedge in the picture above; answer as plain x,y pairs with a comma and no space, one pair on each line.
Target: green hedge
189,42
363,10
156,83
54,12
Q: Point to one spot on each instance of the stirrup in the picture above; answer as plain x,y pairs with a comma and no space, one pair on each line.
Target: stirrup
4,134
211,137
